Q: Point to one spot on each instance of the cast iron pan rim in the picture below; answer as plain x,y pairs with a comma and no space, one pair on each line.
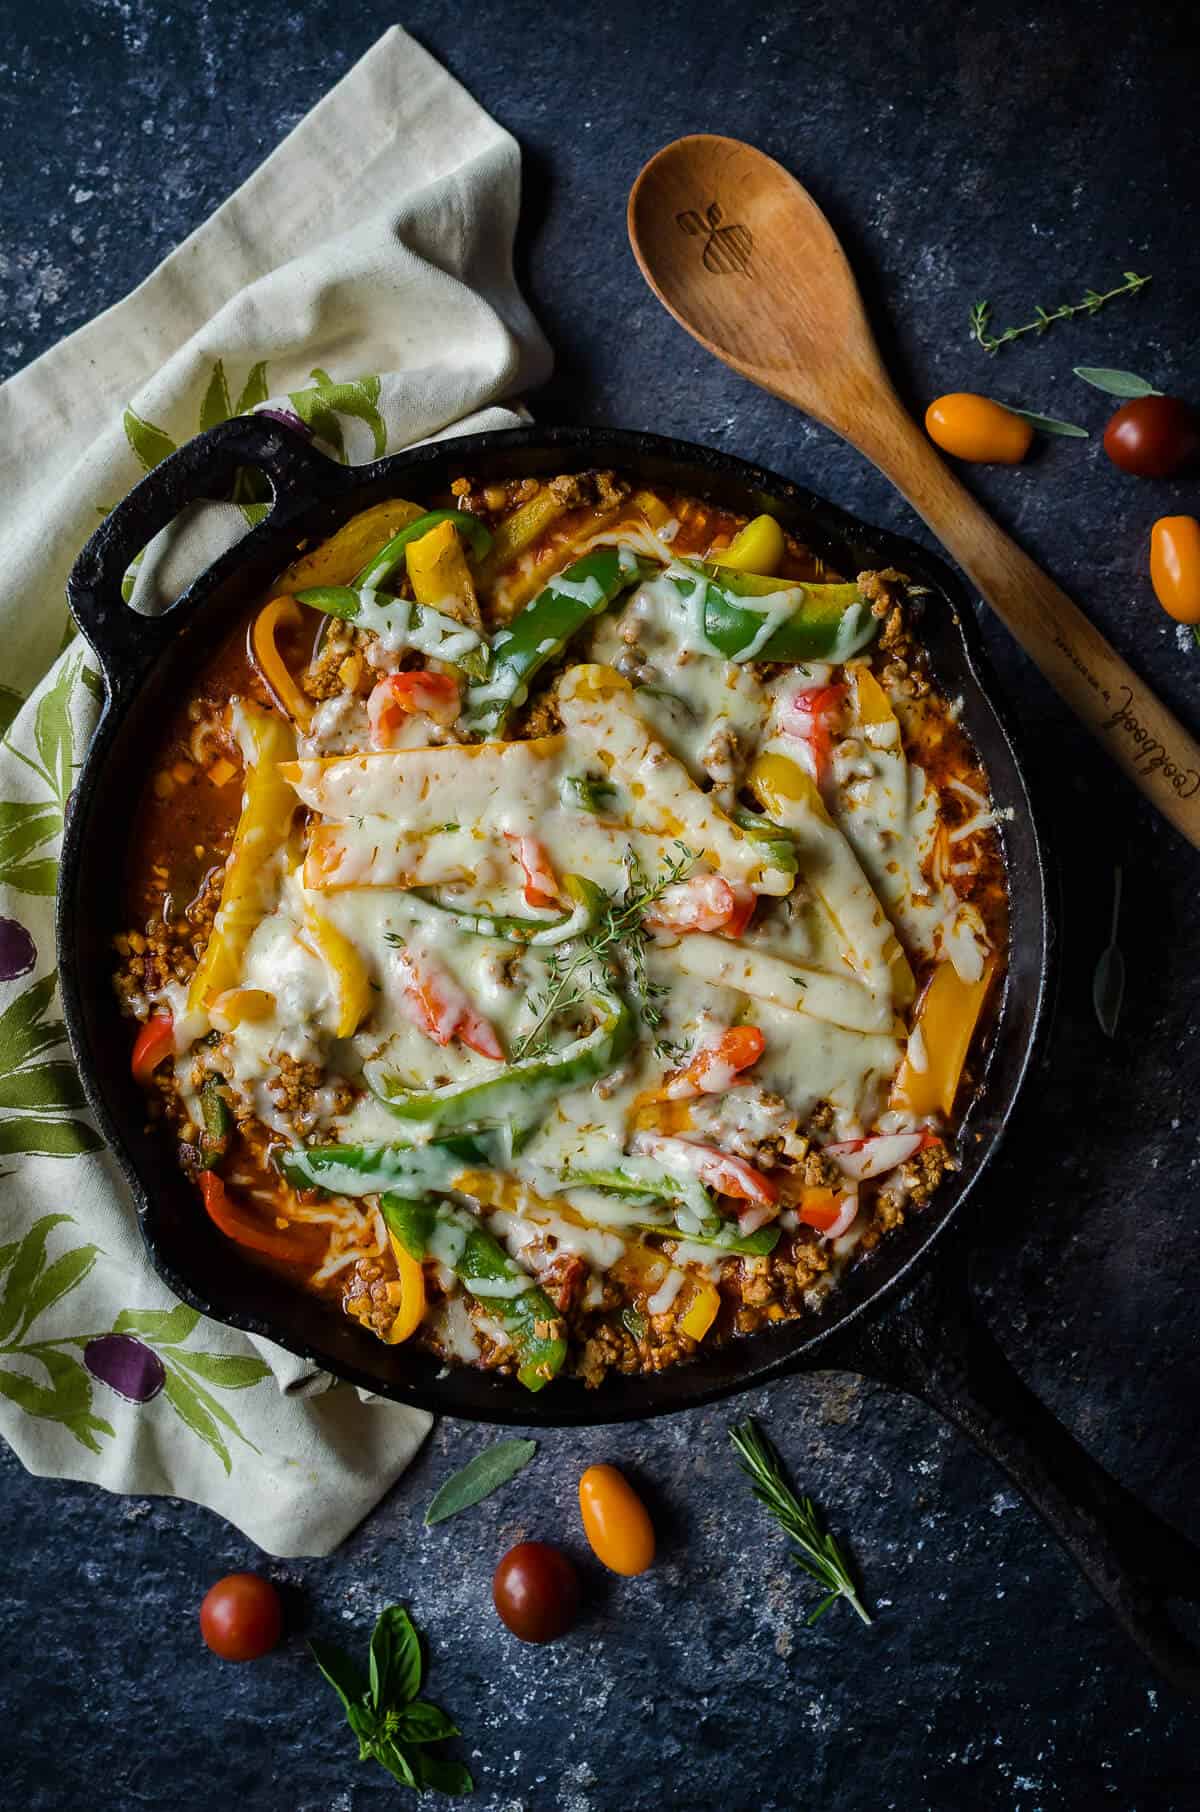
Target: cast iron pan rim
553,1407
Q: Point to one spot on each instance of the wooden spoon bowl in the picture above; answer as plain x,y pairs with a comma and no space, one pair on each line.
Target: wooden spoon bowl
745,260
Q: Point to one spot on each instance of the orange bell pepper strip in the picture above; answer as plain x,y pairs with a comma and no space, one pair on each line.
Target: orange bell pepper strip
402,695
713,1069
244,1229
701,1311
541,882
946,1017
270,662
152,1046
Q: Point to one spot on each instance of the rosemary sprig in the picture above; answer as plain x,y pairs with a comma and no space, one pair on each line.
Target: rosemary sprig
981,313
616,940
816,1550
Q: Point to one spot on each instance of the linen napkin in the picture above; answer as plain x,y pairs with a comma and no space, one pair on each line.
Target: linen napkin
362,280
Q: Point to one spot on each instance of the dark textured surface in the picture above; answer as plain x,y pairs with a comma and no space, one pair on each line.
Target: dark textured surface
960,152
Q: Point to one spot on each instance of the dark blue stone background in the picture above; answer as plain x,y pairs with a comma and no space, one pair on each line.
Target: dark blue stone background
962,150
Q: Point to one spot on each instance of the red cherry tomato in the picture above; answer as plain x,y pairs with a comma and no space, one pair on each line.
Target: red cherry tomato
1152,436
241,1617
536,1591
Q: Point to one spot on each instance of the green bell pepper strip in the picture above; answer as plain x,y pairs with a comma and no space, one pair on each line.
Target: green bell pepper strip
461,1242
217,1116
781,846
828,622
542,630
410,1170
413,625
537,934
521,1092
382,565
727,1239
641,1176
588,794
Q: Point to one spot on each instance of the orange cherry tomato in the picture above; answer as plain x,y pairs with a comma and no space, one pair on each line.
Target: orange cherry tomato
615,1521
1175,566
973,427
241,1617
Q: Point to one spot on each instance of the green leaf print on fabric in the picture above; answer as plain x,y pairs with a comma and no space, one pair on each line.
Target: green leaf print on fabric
320,407
216,406
150,445
10,703
142,1356
254,391
26,826
37,1093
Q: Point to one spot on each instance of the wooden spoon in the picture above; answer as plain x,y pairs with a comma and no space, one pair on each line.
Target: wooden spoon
743,257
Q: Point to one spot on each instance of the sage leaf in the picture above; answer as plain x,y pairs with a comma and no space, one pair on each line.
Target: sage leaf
1116,383
479,1478
1048,424
1108,982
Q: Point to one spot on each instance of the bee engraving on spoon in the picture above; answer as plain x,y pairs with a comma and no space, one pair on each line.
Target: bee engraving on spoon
726,248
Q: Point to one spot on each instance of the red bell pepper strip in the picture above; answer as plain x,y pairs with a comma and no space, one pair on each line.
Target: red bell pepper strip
441,1008
863,1158
828,1211
809,716
541,882
702,903
153,1045
401,695
725,1174
713,1069
248,1230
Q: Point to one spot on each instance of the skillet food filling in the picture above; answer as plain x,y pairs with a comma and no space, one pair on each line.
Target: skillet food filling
566,922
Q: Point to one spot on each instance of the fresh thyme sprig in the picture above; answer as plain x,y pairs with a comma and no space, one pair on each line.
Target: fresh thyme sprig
816,1550
981,313
617,939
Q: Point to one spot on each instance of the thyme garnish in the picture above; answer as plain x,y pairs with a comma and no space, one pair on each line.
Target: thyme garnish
981,313
815,1549
616,941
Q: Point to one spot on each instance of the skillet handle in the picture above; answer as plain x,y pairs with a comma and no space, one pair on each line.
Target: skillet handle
125,640
936,1347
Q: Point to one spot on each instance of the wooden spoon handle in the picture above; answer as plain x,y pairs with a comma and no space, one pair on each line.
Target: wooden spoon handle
1141,735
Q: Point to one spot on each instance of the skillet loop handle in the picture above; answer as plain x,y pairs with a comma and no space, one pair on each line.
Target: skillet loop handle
125,640
937,1348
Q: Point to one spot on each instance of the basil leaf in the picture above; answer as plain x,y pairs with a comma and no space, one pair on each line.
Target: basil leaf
395,1659
343,1674
1116,383
442,1776
1048,424
479,1478
389,1755
422,1722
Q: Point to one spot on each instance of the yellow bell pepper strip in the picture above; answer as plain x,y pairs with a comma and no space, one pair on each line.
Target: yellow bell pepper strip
336,561
411,1311
519,530
523,1091
441,528
463,1244
701,1311
791,799
871,701
408,1170
270,662
268,804
542,630
236,1005
347,971
793,621
946,1017
589,901
438,573
756,548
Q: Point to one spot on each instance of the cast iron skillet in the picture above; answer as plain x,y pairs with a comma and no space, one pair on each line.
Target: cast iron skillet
903,1316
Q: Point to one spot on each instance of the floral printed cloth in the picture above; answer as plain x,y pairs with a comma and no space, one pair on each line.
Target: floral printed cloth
361,280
